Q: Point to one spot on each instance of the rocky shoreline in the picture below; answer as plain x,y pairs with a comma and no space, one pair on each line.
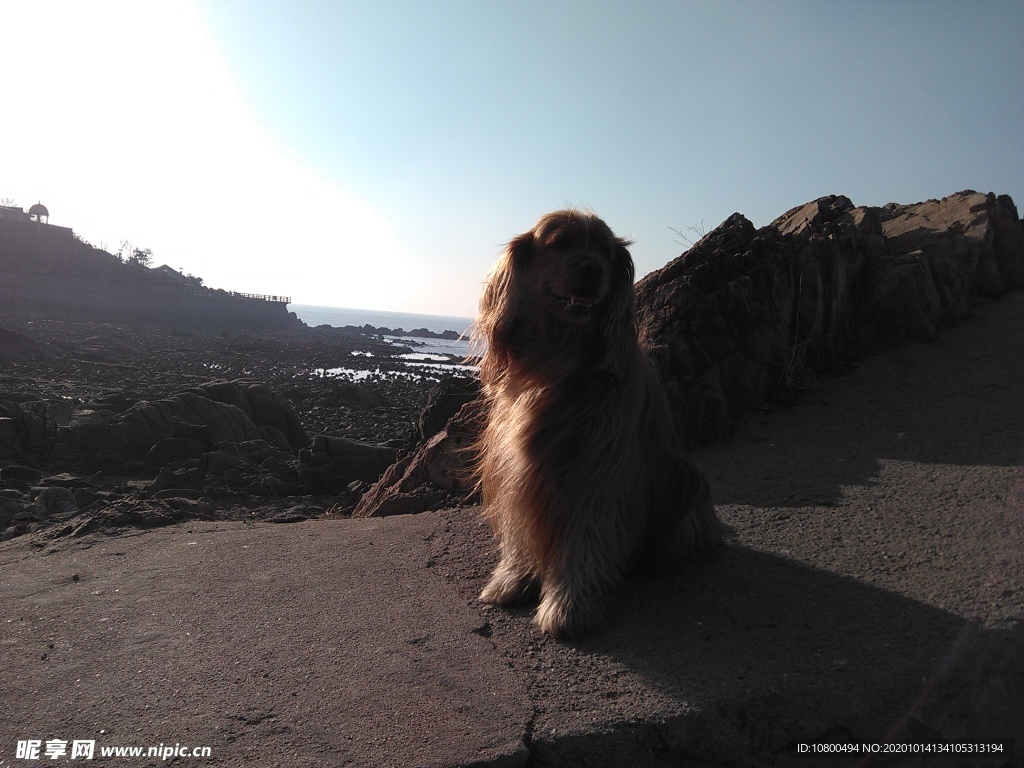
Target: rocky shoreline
106,425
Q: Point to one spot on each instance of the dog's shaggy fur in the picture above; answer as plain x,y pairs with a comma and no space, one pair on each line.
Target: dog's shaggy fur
582,474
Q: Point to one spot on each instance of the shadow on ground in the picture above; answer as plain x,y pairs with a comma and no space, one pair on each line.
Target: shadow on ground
956,400
737,659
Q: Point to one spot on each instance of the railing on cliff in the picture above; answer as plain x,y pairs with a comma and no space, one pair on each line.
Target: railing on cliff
198,290
262,297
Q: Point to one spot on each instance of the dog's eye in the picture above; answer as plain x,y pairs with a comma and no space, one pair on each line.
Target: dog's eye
561,244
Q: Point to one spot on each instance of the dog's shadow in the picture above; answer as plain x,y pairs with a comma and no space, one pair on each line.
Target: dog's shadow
749,651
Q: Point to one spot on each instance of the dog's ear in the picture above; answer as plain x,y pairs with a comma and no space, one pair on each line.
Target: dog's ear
624,261
509,270
619,324
503,299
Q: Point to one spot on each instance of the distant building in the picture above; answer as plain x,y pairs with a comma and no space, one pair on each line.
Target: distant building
39,212
38,215
167,271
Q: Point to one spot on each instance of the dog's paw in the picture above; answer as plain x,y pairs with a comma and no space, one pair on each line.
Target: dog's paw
565,619
508,588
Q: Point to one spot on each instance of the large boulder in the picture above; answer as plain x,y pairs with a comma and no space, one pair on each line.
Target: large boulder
263,406
31,427
183,426
332,463
444,400
434,475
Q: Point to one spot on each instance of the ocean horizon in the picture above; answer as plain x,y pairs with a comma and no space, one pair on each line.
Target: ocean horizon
338,317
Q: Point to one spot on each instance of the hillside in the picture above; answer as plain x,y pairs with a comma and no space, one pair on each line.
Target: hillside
48,269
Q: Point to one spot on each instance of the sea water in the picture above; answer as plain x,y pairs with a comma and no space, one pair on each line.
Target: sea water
432,357
340,316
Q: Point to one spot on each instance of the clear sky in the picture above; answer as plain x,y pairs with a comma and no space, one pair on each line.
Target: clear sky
378,153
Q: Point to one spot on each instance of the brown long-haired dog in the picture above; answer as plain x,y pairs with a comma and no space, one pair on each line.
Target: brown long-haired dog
582,474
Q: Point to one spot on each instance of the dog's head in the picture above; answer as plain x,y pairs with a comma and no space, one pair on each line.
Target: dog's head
567,280
579,265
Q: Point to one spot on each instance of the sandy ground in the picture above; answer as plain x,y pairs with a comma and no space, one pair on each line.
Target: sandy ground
872,590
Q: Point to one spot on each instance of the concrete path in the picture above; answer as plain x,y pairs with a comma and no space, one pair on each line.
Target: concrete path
312,644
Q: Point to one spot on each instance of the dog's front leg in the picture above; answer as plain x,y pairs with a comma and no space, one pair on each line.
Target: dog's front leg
512,581
574,596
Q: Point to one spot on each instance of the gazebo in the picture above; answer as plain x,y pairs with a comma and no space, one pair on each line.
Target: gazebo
38,212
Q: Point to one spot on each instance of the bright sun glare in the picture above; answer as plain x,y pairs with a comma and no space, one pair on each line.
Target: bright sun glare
130,128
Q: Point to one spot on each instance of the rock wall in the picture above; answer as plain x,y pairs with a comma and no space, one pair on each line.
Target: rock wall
743,318
746,317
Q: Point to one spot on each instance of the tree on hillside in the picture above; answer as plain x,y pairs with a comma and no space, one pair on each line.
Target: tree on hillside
141,256
129,254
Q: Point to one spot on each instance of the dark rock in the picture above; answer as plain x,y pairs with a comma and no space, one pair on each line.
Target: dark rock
175,449
400,504
379,331
33,426
84,497
177,493
181,427
445,400
150,514
55,502
16,346
440,464
332,463
219,462
263,406
64,480
9,508
289,516
174,480
357,395
10,445
15,472
746,316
